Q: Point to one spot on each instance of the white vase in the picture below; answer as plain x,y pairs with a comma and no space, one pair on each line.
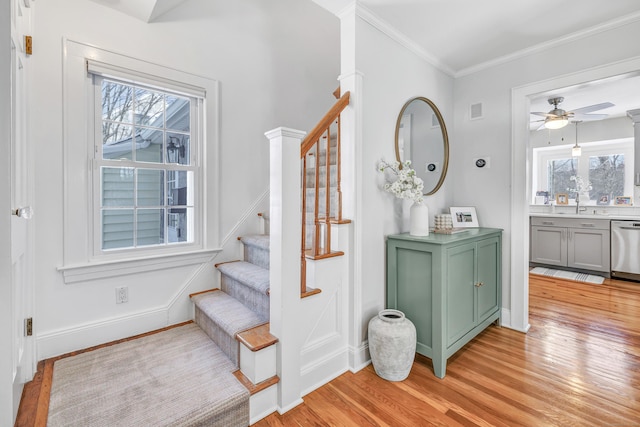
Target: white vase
392,344
419,219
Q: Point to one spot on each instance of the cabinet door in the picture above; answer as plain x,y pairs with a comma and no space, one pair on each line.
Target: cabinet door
589,249
460,291
410,290
488,280
549,245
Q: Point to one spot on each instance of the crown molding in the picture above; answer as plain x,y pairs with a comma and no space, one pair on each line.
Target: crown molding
600,28
394,34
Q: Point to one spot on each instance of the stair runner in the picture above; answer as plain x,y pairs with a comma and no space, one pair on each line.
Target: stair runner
242,302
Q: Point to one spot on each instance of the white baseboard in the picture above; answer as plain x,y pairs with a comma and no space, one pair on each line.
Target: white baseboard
359,357
55,343
263,403
505,321
282,409
505,318
321,371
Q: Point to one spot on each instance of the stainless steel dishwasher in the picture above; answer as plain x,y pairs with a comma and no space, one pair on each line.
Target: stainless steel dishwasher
625,250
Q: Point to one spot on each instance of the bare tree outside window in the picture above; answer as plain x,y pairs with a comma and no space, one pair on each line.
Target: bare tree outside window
606,174
148,202
559,176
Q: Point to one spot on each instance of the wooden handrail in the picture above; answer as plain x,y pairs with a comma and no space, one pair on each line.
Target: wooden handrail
321,245
324,124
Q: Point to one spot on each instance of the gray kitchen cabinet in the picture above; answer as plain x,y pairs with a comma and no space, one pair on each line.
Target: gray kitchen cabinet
575,243
449,286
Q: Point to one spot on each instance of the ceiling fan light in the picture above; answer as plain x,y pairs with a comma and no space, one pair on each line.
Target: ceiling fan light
556,123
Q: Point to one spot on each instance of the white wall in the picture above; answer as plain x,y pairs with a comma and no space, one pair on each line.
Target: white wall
273,70
491,190
390,75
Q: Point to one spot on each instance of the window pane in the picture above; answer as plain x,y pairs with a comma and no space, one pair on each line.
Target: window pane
179,189
117,228
180,222
116,140
178,113
178,148
150,186
149,145
559,173
150,227
149,108
606,174
117,102
117,187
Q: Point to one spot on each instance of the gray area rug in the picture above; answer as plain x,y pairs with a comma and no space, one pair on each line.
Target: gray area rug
177,377
568,275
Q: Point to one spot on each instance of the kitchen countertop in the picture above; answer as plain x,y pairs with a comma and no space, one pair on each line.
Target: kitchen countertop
589,216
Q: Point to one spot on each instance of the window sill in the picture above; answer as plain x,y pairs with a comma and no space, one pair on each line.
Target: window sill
106,269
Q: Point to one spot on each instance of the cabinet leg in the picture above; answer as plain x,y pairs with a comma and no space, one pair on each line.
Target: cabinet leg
439,367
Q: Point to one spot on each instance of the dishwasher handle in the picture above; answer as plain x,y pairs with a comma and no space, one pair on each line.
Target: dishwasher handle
625,225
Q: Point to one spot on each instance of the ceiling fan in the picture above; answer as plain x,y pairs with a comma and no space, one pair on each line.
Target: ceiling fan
559,118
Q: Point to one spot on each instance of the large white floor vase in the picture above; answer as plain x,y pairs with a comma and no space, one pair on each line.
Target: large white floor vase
392,344
419,219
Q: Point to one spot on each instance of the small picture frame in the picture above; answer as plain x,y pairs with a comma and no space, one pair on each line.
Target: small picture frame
542,197
562,199
622,201
603,200
464,217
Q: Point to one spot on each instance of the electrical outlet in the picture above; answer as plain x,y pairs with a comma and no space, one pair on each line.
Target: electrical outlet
122,295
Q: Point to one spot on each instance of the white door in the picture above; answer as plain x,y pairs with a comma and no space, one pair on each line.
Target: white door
17,291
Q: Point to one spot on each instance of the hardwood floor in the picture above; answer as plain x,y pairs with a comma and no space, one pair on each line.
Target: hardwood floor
579,365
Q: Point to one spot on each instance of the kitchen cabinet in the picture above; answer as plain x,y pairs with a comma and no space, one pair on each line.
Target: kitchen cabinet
449,286
575,243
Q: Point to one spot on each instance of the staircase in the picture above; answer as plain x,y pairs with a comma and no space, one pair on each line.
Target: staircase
236,318
237,315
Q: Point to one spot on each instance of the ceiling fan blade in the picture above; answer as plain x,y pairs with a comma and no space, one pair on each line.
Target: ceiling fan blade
585,117
540,113
541,127
590,108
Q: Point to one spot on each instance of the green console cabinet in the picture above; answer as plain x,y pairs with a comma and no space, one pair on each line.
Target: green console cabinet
448,285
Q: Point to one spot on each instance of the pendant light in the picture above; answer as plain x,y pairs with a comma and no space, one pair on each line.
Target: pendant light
576,151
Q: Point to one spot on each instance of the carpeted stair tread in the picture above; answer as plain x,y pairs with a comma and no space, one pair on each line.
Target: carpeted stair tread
258,240
248,274
227,312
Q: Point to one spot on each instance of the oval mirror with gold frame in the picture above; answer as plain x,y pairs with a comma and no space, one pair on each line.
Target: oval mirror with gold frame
421,136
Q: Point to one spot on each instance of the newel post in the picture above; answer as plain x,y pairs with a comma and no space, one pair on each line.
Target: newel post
285,229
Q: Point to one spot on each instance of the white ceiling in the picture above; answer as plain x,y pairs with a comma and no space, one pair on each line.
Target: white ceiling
462,36
465,34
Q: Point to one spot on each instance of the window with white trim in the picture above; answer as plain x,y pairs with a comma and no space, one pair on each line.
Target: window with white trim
162,155
145,165
606,165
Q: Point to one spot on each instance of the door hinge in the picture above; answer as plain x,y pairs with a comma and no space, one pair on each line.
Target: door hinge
28,326
28,45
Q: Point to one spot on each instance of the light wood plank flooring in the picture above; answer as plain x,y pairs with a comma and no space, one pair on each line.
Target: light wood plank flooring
579,365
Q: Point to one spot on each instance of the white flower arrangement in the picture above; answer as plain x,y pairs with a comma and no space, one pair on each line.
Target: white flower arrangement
581,187
406,185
